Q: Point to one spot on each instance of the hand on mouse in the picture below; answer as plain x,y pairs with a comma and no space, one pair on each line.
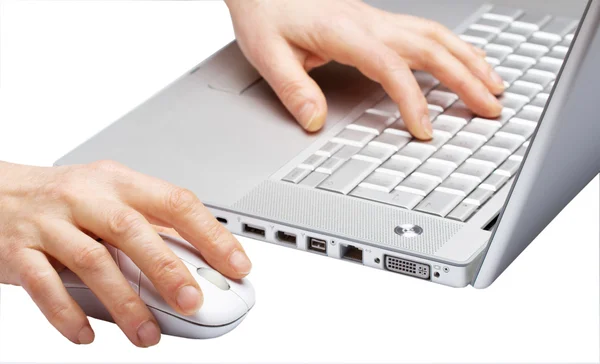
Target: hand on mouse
47,218
285,39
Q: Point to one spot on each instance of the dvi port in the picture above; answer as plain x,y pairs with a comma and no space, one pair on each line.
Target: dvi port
407,267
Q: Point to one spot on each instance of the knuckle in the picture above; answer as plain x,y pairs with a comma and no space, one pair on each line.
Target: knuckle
181,201
109,166
168,273
124,222
90,257
58,313
290,90
126,306
34,280
215,235
435,29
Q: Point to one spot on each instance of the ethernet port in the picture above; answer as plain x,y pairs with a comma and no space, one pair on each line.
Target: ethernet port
350,252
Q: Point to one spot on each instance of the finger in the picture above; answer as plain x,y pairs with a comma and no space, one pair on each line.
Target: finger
129,231
381,64
451,72
94,265
168,205
463,51
46,289
286,74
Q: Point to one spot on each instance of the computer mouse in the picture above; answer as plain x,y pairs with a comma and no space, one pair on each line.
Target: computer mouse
226,301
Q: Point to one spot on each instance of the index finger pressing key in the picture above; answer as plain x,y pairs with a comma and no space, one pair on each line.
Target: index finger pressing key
170,205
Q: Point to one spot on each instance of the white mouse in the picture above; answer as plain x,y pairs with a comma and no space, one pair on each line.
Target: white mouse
226,301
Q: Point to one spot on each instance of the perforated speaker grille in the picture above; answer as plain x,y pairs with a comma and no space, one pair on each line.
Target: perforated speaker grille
345,216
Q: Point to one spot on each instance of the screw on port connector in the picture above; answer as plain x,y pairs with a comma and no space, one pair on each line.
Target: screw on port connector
377,260
436,274
446,269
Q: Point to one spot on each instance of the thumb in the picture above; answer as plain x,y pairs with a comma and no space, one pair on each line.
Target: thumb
300,94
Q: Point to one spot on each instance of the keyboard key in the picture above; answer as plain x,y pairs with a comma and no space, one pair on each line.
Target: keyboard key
462,212
329,149
475,171
519,63
397,198
494,182
450,125
389,140
509,168
330,165
478,197
381,181
458,185
353,138
439,203
426,81
524,31
374,153
296,175
491,156
529,114
521,128
490,25
505,142
505,115
476,36
458,110
440,101
550,86
348,176
399,166
519,154
566,42
548,65
531,21
503,13
543,39
312,162
540,100
434,170
482,128
538,78
497,51
455,156
346,152
510,40
418,151
509,75
387,106
525,88
439,138
558,52
314,179
513,102
559,27
418,185
371,123
466,141
531,50
399,128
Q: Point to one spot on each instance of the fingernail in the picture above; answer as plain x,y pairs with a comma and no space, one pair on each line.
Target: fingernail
189,299
496,78
426,123
307,115
85,336
240,262
148,334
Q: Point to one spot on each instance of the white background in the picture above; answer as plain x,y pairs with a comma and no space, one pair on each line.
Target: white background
70,68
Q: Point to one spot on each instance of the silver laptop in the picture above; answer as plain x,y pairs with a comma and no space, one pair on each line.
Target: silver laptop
456,210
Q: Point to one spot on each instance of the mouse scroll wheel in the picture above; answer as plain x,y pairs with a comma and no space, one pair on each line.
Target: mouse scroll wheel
213,277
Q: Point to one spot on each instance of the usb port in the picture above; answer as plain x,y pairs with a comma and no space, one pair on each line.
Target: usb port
317,245
254,230
284,237
353,253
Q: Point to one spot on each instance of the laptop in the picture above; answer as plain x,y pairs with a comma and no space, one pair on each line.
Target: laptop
456,210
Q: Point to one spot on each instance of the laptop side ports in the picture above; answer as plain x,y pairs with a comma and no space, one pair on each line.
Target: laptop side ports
253,230
287,238
408,267
352,253
317,245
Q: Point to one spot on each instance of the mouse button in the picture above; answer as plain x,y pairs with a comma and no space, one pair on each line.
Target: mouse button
244,289
71,280
184,250
213,277
129,270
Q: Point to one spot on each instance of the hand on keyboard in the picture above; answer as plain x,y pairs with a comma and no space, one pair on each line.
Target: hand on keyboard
285,39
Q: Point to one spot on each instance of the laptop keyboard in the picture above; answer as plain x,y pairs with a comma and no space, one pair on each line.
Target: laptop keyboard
469,158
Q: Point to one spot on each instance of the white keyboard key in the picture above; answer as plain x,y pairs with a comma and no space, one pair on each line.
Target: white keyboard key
439,203
397,198
458,185
440,100
439,138
353,138
348,176
458,111
466,141
476,36
434,170
418,184
524,31
314,179
558,52
474,171
560,26
426,81
389,140
399,166
497,51
532,21
296,175
505,115
462,212
346,152
531,50
494,182
547,65
450,125
417,151
513,102
482,127
490,25
455,156
542,79
381,181
524,88
312,162
329,149
519,154
549,88
505,142
509,168
517,62
387,106
478,197
509,75
522,128
371,123
493,156
503,13
540,101
510,40
374,153
544,39
398,127
331,165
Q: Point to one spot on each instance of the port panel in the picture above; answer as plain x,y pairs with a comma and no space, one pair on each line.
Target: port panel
408,267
